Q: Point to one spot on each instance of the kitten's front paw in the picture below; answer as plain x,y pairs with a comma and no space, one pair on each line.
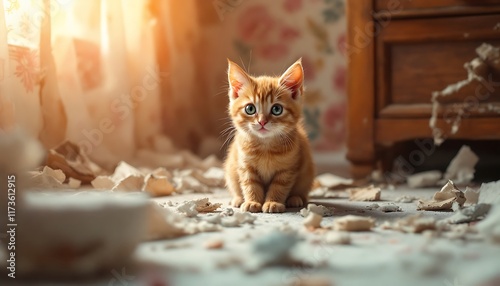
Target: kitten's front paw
273,207
236,202
253,207
294,202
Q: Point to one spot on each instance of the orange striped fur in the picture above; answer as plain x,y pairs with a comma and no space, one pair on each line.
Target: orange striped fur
269,163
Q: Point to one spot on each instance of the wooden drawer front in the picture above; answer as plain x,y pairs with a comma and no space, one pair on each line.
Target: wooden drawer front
417,8
419,56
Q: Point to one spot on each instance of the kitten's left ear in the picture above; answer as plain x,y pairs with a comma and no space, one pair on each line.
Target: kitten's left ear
238,79
293,78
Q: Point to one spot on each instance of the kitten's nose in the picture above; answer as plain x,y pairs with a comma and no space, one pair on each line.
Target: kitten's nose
262,122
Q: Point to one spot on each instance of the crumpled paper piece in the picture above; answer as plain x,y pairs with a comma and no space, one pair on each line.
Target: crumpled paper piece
353,223
193,207
319,209
338,238
461,168
198,181
471,196
73,162
158,185
49,178
178,171
370,193
489,193
413,224
469,214
444,199
479,72
388,208
130,179
313,220
164,223
238,219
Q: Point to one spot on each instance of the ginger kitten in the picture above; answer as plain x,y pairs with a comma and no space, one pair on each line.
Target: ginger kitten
269,163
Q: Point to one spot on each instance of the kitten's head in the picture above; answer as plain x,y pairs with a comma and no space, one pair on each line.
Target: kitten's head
266,107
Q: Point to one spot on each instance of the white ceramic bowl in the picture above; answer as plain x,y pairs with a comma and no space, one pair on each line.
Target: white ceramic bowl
68,234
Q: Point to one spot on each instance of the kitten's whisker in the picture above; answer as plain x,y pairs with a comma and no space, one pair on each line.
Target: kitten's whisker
244,67
228,139
227,131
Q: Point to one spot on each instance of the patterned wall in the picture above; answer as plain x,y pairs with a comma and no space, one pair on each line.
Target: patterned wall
270,35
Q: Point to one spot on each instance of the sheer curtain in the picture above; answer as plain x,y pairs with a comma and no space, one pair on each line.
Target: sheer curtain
86,71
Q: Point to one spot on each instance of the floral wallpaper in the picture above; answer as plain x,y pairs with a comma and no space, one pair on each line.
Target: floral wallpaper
270,34
263,36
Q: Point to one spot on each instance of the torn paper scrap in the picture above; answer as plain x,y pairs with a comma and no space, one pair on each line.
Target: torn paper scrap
331,181
158,185
193,207
124,170
188,208
103,183
238,219
319,209
205,206
47,178
490,226
489,54
469,214
424,179
471,196
444,199
162,172
353,223
412,224
213,218
436,205
390,208
479,72
74,183
73,162
489,193
163,223
245,217
132,183
313,220
186,183
338,237
461,168
449,190
369,193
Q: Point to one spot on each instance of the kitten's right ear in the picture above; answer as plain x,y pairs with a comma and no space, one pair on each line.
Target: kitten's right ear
237,78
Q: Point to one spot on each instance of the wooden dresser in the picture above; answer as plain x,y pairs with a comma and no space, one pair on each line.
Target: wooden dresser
400,52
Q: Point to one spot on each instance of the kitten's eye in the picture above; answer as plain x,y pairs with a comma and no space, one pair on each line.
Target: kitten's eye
277,109
250,109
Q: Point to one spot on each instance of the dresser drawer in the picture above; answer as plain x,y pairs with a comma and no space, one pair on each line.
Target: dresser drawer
418,56
429,7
